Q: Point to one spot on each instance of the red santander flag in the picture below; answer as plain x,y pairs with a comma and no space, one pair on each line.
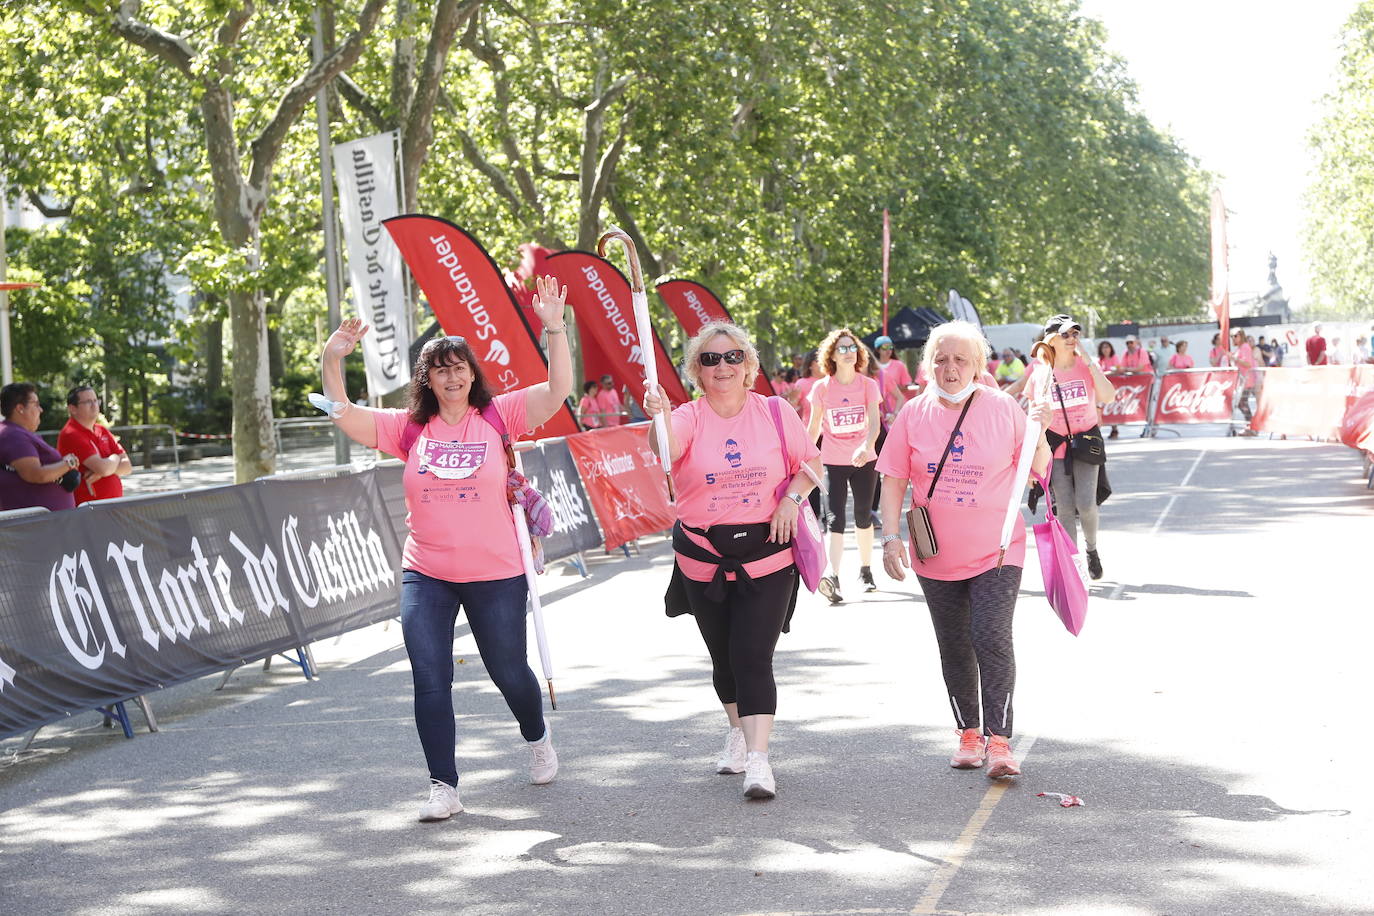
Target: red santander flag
600,297
695,306
470,299
1221,284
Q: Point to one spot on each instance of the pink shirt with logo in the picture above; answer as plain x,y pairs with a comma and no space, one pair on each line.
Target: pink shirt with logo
891,379
1079,399
1180,361
970,499
728,470
844,421
457,510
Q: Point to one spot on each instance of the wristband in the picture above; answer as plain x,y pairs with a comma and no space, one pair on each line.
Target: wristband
796,498
889,538
558,330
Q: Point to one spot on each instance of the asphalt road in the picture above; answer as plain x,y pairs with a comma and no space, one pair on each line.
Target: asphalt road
1211,715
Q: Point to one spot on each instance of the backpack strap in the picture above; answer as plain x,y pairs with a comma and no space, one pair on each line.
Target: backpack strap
775,409
493,416
408,437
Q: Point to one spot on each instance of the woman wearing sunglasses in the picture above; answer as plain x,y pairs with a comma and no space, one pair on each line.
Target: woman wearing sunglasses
845,412
740,486
1078,388
461,551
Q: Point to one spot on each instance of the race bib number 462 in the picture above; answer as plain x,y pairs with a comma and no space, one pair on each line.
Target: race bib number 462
450,460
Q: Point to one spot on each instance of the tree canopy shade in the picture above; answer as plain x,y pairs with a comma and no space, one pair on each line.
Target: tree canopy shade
1339,236
750,144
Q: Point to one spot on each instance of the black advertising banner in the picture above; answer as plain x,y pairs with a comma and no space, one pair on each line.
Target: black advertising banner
101,604
552,471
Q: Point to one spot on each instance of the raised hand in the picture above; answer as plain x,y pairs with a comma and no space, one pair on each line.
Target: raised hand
345,338
549,301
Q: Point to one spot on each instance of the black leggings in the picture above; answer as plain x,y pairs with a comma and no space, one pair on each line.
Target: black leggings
863,481
741,633
972,619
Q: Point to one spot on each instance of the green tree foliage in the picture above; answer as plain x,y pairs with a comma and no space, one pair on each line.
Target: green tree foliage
1339,236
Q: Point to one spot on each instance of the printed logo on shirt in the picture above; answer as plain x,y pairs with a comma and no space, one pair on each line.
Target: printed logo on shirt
450,460
733,456
956,451
1073,392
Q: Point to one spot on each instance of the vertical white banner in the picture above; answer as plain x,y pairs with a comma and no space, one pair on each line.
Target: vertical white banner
365,171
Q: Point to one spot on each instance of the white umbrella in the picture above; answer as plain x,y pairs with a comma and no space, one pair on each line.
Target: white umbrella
522,534
645,331
1023,468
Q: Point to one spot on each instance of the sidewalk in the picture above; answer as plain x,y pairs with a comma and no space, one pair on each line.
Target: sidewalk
1204,715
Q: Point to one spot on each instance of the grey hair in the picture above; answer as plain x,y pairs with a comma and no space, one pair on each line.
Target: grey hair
965,331
740,339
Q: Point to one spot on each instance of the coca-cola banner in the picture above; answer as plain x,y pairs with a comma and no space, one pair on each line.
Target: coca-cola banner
696,306
1310,401
624,480
1195,396
104,603
470,299
1132,401
600,297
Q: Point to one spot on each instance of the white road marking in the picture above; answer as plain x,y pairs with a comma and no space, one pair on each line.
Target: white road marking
1173,499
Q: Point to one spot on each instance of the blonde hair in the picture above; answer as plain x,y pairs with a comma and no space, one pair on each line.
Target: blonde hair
826,351
965,331
737,336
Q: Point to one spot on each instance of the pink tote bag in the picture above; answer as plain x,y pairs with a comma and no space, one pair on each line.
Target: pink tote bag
1066,585
808,546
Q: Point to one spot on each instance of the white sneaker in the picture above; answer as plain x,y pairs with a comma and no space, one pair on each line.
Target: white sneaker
443,802
544,766
732,756
758,776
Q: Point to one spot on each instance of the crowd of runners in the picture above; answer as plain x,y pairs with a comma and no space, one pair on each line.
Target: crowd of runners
752,529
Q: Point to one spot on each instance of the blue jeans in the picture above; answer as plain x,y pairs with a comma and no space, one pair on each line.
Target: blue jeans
496,615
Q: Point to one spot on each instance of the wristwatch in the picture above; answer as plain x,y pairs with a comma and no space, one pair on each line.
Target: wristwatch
889,538
796,498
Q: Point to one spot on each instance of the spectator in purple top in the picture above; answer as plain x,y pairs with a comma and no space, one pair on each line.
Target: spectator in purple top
34,474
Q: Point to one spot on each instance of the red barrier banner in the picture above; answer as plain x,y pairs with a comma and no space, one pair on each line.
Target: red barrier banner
470,299
1132,397
624,482
600,297
1311,401
695,306
1195,396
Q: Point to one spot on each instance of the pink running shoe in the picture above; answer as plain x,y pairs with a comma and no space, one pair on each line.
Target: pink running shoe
970,753
1000,761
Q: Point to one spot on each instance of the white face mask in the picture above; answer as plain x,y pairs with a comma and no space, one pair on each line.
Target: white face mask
959,396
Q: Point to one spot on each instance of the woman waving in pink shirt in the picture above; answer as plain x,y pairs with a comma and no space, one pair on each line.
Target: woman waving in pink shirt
957,445
461,551
738,470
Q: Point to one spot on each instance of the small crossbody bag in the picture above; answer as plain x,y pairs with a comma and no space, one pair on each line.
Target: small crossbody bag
924,544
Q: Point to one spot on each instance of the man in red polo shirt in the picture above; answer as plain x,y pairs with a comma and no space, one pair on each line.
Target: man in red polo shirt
103,459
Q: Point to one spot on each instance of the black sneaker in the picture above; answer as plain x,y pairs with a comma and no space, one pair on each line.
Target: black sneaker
830,588
1094,564
866,577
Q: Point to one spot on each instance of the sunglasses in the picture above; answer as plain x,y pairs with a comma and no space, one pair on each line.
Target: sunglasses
711,358
847,348
452,338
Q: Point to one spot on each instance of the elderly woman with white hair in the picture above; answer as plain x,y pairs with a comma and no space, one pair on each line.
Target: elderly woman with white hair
737,467
957,445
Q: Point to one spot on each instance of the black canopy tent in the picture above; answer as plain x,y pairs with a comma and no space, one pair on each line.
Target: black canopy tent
909,328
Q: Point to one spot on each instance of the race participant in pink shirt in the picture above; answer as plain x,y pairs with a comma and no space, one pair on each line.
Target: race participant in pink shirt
588,410
1108,361
461,551
893,379
1243,358
964,439
1077,389
811,374
1136,358
1181,359
739,495
1219,355
608,403
845,413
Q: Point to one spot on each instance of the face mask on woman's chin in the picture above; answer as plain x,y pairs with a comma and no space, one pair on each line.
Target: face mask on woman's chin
959,396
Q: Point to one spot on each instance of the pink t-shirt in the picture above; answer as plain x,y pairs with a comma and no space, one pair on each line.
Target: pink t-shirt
1139,361
1244,355
608,403
970,500
728,470
803,388
587,410
1108,363
1079,399
891,379
457,510
1180,361
1219,357
844,421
